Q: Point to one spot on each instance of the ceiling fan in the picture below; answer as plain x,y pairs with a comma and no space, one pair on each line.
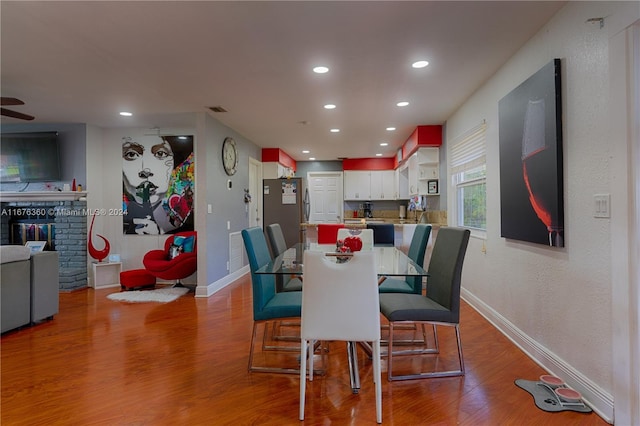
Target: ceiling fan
10,113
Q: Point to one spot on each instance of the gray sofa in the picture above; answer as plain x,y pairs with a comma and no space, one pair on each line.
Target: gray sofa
29,286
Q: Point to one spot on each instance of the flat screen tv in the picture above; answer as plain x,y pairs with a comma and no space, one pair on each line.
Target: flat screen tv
29,157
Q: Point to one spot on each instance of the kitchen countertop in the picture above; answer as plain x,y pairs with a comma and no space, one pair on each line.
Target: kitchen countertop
357,222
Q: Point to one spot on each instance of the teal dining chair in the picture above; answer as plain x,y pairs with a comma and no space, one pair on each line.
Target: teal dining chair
268,305
416,253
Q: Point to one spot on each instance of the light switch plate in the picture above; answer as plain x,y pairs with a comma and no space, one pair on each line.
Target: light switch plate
601,203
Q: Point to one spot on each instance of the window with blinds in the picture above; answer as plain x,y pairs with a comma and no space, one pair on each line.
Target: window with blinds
468,172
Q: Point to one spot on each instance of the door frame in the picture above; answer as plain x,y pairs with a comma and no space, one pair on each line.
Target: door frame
624,62
254,208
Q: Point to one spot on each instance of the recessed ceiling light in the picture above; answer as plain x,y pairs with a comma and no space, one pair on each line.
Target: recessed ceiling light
402,104
320,70
126,114
312,158
334,130
384,144
306,151
329,106
420,64
378,155
391,129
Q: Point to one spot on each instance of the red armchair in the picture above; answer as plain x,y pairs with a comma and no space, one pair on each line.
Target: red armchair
159,264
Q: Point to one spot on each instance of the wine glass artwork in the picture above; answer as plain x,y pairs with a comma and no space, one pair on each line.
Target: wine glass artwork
531,175
535,170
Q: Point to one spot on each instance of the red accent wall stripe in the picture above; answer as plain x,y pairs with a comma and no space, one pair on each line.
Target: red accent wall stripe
422,136
278,156
368,164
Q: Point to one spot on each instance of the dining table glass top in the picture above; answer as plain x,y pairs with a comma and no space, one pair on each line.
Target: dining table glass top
390,261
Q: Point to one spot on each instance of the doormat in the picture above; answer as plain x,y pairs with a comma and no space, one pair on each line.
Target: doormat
546,399
161,295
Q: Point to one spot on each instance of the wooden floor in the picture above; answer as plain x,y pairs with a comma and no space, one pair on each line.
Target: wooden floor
101,362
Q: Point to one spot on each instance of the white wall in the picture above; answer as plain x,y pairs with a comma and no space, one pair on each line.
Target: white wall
555,303
104,188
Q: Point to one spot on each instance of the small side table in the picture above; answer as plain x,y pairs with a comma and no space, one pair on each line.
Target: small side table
106,274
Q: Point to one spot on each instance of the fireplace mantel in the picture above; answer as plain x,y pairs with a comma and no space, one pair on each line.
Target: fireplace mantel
6,196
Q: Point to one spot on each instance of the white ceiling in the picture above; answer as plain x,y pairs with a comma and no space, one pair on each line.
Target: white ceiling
86,61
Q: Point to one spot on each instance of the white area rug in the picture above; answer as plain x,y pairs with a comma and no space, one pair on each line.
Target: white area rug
161,295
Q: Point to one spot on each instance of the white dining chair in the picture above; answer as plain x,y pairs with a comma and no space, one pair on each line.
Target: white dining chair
340,301
366,235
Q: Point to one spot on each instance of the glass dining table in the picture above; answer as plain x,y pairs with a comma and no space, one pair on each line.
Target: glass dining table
390,262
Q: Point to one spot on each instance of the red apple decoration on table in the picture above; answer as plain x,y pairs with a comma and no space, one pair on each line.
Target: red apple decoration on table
353,243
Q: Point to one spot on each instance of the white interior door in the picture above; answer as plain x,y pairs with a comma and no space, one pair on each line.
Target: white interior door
325,196
255,184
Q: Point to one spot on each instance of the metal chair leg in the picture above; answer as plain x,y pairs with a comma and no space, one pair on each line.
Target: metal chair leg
449,373
266,369
276,348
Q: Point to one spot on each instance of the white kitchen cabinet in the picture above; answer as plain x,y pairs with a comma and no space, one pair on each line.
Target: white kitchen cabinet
429,163
369,185
383,185
273,170
402,175
429,171
424,166
357,185
412,165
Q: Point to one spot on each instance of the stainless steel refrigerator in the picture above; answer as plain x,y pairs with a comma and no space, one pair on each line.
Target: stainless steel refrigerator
286,201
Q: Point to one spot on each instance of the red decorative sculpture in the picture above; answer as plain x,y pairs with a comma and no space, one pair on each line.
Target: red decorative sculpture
95,253
354,243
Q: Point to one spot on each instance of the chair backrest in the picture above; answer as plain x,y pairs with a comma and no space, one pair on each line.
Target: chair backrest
340,300
383,233
366,235
276,239
263,285
419,242
416,252
445,268
328,232
185,234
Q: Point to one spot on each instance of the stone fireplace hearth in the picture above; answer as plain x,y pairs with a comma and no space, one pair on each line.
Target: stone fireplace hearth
64,222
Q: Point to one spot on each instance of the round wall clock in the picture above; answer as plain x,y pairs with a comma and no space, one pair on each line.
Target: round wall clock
229,156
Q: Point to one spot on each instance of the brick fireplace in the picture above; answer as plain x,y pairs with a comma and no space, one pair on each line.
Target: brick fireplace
63,223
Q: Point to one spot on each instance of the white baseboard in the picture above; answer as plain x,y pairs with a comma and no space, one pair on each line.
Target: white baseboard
600,401
210,289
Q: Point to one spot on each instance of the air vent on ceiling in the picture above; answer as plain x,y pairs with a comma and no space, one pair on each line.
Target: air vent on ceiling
217,109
